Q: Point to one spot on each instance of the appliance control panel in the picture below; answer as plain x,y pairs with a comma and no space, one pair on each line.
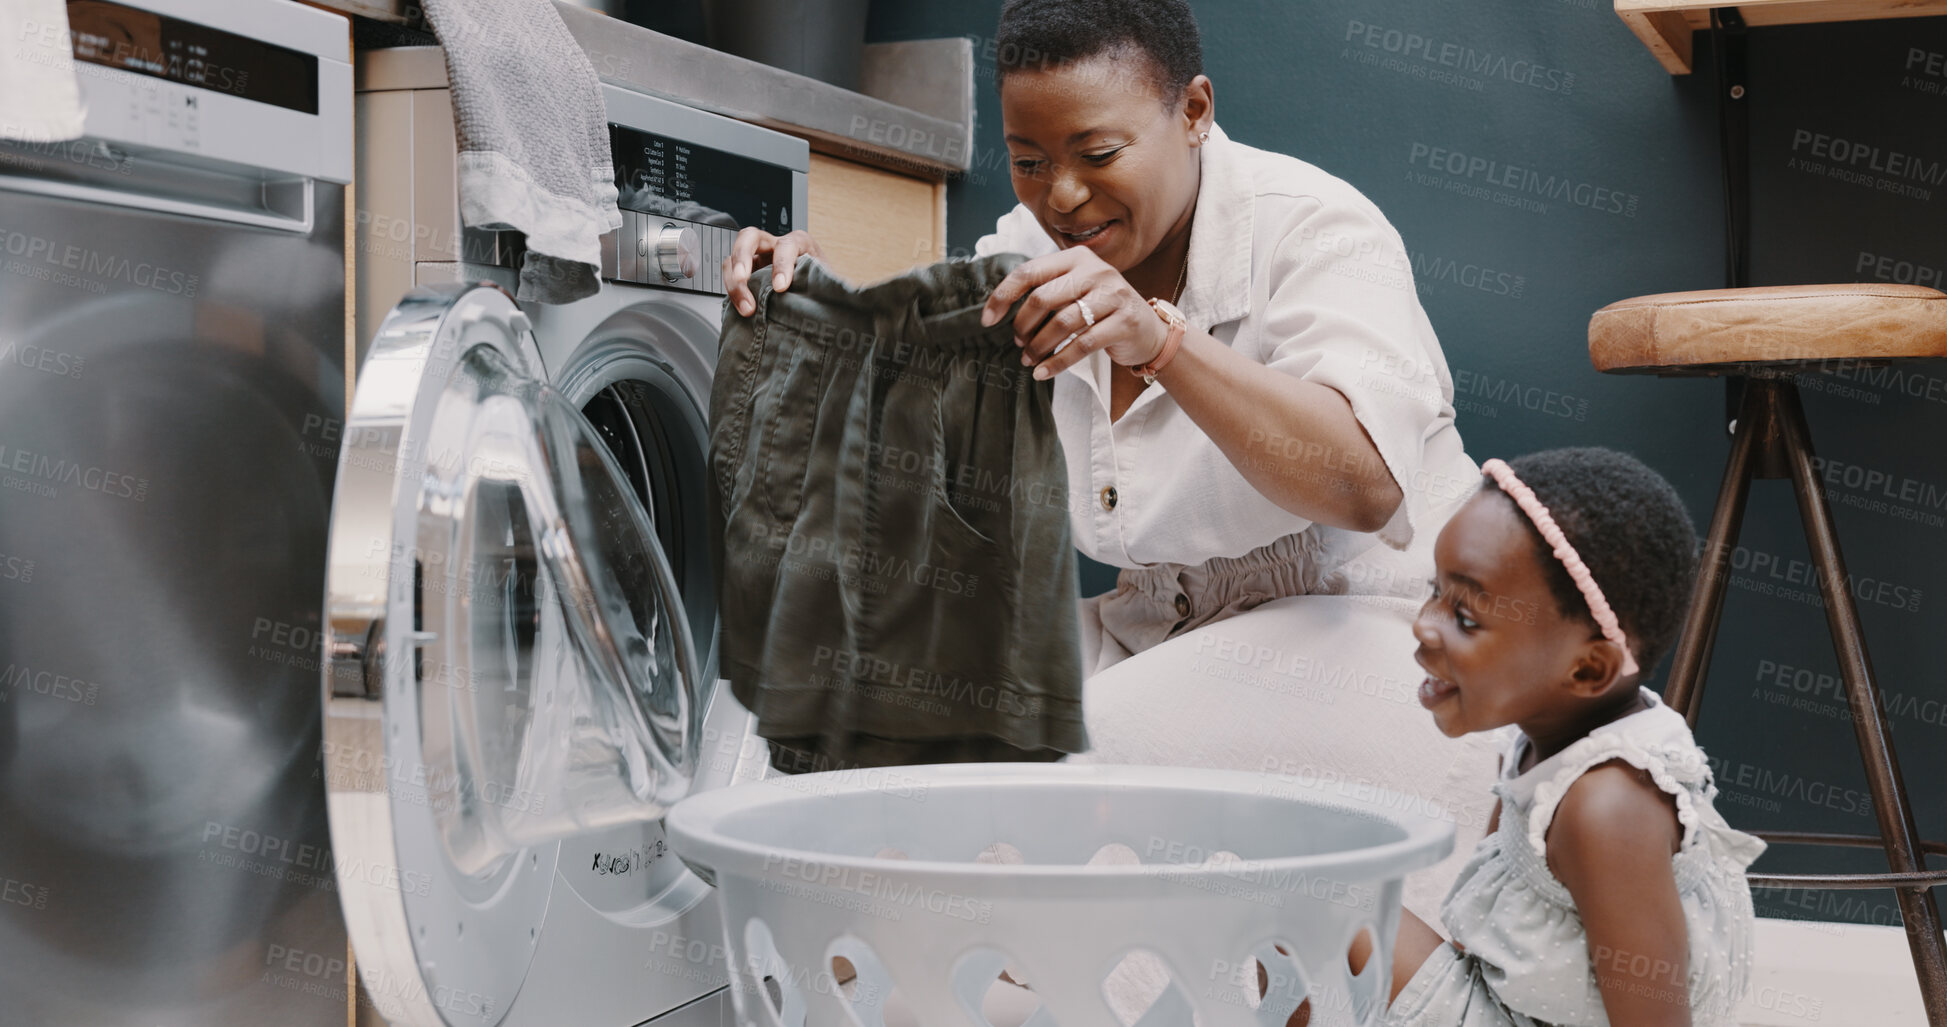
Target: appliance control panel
683,203
668,251
268,90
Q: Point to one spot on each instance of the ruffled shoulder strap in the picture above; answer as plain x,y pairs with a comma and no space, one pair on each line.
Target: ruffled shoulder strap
1658,742
1655,741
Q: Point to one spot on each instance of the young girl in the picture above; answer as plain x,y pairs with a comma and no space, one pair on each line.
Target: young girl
1609,890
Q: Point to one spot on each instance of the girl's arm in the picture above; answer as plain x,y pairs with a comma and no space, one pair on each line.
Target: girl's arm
1610,844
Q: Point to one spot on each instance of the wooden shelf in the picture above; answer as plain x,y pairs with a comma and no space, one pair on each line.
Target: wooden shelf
1665,25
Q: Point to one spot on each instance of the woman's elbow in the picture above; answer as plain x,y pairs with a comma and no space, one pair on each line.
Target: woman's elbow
1374,504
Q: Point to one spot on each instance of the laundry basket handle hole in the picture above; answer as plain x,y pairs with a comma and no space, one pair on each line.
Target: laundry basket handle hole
1367,966
775,990
1283,991
861,980
1148,979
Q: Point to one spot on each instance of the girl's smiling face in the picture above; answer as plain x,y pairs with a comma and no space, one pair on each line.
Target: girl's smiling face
1496,648
1098,158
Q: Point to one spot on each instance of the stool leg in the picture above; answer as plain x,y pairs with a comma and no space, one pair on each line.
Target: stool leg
1890,805
1685,690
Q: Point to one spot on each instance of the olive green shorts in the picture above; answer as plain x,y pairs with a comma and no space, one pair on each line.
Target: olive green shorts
896,578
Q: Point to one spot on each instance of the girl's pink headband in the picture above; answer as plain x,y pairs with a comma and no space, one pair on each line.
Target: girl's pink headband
1578,572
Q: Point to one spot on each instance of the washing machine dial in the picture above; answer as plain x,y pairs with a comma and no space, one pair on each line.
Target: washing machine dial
676,249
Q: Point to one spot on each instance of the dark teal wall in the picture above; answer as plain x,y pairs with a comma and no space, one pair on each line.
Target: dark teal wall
1566,90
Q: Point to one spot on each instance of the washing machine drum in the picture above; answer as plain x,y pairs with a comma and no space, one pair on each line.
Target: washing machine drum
510,666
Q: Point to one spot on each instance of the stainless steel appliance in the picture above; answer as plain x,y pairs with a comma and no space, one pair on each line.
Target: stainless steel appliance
519,566
172,379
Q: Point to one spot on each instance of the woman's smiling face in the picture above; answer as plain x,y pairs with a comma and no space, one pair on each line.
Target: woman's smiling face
1098,158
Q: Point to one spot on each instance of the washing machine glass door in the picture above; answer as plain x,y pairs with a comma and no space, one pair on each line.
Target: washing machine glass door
509,663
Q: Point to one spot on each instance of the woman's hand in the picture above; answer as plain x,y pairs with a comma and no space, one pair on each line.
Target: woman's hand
754,248
1125,326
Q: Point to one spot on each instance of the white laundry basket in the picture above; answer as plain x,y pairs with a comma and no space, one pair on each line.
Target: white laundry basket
1235,881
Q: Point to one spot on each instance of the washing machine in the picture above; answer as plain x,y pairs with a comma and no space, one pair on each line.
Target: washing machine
172,372
521,601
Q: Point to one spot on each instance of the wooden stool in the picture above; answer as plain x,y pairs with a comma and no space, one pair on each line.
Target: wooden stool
1770,335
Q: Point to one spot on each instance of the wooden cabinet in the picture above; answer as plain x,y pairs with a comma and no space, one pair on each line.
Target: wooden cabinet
873,223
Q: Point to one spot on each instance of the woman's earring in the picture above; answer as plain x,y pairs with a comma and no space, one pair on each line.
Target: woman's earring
1203,137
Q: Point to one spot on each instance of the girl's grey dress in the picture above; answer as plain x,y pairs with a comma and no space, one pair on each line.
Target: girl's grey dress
1526,961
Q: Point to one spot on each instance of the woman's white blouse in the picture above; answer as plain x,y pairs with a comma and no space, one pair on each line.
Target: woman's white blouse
1297,270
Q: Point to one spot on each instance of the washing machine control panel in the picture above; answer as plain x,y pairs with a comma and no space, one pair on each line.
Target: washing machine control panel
673,252
684,200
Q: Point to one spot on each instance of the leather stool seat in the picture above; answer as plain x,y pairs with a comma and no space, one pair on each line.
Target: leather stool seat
1719,331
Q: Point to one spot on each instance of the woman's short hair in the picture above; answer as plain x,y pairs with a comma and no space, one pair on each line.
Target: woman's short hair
1040,35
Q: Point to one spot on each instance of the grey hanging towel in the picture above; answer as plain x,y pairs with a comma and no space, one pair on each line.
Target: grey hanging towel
533,138
896,576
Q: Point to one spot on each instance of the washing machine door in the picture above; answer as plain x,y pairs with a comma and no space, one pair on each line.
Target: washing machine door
509,665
